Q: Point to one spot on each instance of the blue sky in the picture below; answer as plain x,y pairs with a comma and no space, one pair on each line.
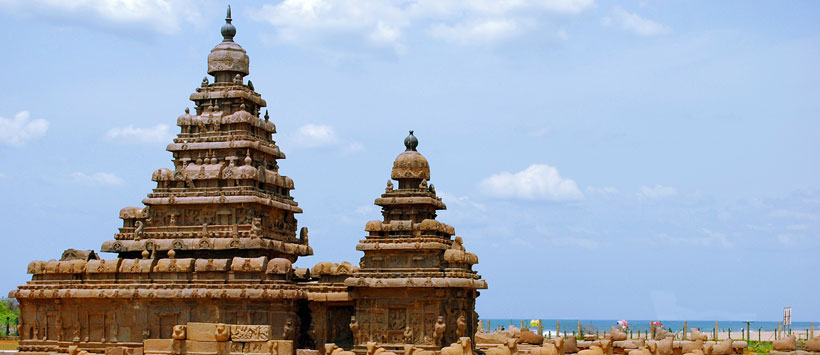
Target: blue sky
628,159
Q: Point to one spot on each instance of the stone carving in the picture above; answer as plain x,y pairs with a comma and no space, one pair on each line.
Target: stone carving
438,330
725,347
461,325
462,347
510,347
664,346
604,349
616,334
223,333
788,343
303,236
180,332
570,345
688,347
287,331
138,230
332,349
408,335
354,329
528,337
250,333
374,349
696,334
389,187
813,344
545,349
410,349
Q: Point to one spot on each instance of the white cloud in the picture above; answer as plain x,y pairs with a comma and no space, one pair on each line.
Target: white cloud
98,178
537,182
383,23
634,23
155,16
130,134
17,131
656,192
484,31
316,136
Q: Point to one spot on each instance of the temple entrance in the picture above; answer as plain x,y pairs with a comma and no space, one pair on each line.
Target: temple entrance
338,326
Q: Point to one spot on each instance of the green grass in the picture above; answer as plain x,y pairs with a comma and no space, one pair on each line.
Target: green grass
759,347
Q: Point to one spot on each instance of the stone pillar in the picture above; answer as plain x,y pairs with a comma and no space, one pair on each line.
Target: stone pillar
716,330
579,328
748,330
540,327
777,333
685,328
557,328
811,332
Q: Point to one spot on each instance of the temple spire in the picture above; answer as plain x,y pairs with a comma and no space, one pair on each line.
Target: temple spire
411,142
228,30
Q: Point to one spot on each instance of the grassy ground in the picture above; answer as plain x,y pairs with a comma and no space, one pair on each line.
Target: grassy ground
759,347
8,344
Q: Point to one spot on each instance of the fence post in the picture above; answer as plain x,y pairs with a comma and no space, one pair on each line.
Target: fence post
812,331
557,328
777,333
758,334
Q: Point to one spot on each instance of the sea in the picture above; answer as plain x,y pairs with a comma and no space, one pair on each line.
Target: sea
601,325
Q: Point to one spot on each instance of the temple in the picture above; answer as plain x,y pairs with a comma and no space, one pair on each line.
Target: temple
206,265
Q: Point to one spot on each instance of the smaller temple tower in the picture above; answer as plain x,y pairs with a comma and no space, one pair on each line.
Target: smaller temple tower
416,284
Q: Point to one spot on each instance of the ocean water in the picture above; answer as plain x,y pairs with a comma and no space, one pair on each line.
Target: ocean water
602,325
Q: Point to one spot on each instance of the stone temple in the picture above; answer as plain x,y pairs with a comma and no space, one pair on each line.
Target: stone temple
206,266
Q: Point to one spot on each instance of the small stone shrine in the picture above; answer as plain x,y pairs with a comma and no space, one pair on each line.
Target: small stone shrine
206,266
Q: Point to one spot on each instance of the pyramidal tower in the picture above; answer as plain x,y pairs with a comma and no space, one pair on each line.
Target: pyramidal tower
205,266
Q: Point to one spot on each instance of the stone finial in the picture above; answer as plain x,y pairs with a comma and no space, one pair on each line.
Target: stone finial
205,82
250,85
411,142
267,116
228,30
145,254
187,111
237,79
171,254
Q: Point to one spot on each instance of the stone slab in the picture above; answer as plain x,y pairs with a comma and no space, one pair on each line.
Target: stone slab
246,333
158,346
194,347
256,347
284,347
307,352
204,331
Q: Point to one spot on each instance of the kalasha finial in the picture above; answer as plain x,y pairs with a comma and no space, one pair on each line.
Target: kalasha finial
228,31
411,142
267,117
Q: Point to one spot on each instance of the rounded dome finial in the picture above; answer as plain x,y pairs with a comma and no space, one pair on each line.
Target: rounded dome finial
411,142
228,30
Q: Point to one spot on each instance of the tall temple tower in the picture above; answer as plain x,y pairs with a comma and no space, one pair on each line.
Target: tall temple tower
416,284
214,245
224,196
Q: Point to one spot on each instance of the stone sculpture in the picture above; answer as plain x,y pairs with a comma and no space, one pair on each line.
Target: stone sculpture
180,332
510,347
788,343
408,335
332,349
691,346
528,337
570,345
664,346
545,349
725,348
813,344
410,349
438,331
463,347
696,334
616,334
461,325
604,349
